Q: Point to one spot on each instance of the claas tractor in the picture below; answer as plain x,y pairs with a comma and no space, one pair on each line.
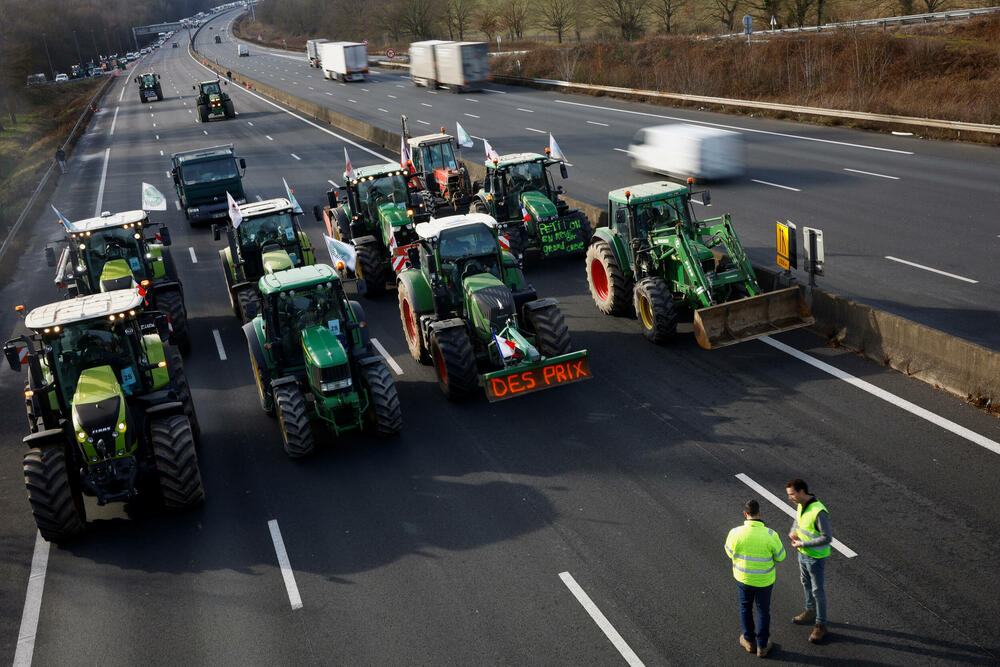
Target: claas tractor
149,87
438,177
519,193
655,258
312,360
372,211
124,251
212,101
109,410
467,307
268,239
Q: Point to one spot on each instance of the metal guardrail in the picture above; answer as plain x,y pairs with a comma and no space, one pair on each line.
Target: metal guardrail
880,23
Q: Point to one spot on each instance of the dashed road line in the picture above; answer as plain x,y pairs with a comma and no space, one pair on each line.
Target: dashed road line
425,104
594,122
383,110
268,136
295,156
218,344
249,123
872,173
423,122
531,129
620,150
600,619
775,185
927,268
177,204
490,90
472,115
286,567
388,358
353,101
194,258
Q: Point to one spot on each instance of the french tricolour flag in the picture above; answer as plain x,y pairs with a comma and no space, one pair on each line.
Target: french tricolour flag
506,347
525,216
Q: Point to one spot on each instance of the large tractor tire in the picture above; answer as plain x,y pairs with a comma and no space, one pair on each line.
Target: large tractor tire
249,304
384,417
608,285
372,269
58,508
296,431
410,319
342,225
454,362
179,378
551,332
142,97
171,303
203,113
654,307
478,206
176,462
159,93
228,110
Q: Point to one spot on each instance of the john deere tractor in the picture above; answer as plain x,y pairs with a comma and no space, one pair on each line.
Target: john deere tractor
109,410
268,239
519,193
124,251
313,360
439,178
212,101
373,212
149,87
657,259
467,307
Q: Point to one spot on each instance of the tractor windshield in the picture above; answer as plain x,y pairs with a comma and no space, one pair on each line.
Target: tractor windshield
110,244
84,345
211,88
388,189
437,156
301,309
527,176
209,171
275,228
471,248
148,80
663,213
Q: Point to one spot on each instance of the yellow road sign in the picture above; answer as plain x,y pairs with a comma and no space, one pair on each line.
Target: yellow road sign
781,232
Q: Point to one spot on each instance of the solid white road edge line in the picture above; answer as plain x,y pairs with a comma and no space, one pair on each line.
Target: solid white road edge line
286,568
775,185
871,173
777,502
602,622
388,358
218,344
121,94
113,121
104,178
194,258
927,268
912,408
32,603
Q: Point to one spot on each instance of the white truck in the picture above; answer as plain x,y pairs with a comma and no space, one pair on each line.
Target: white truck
461,66
423,64
344,61
312,51
698,152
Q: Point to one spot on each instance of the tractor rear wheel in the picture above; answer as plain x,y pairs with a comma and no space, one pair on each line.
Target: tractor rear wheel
384,417
57,507
294,420
551,332
410,319
228,110
454,362
159,93
176,462
203,113
342,228
372,269
655,310
608,285
179,377
171,303
249,304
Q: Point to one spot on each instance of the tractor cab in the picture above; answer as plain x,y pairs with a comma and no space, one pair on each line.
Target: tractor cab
438,173
642,213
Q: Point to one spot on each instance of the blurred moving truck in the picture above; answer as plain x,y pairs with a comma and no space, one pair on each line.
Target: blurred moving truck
312,51
423,64
242,50
461,66
344,61
702,153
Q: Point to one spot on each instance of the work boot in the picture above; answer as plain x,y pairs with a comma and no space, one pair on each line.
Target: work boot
819,631
745,644
808,617
762,651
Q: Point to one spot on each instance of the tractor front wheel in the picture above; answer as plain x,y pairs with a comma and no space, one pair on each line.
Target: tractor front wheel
228,110
203,113
607,282
454,362
384,417
551,332
294,419
57,507
171,303
411,326
176,462
249,304
655,310
372,269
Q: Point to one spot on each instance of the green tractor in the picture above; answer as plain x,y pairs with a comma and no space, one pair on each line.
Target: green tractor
212,101
149,87
312,359
518,192
467,307
113,252
268,239
109,410
655,258
373,212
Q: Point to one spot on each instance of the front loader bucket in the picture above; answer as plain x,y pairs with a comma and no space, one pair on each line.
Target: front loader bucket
752,317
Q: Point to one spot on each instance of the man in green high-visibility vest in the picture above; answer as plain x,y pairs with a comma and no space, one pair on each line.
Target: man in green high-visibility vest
811,534
754,549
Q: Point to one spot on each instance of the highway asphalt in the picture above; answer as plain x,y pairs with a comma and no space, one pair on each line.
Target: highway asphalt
463,541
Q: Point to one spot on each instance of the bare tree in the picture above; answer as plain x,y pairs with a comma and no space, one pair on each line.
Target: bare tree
465,11
798,10
417,17
666,11
388,17
935,5
765,9
724,11
514,17
625,16
489,22
905,7
557,16
566,65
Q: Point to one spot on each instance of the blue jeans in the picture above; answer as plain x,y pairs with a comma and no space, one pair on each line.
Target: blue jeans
749,595
811,572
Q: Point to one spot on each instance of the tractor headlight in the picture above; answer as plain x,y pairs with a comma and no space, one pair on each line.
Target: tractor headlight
81,436
327,387
193,210
121,426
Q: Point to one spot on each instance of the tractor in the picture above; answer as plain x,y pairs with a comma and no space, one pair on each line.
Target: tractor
312,360
373,212
518,191
655,258
149,87
441,179
109,410
123,251
467,307
212,101
268,239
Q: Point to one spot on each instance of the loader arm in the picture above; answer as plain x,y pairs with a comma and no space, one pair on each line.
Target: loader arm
725,232
697,287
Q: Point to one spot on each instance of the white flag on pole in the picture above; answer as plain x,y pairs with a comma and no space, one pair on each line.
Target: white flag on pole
490,153
291,197
62,218
234,211
341,252
348,168
554,149
464,140
152,199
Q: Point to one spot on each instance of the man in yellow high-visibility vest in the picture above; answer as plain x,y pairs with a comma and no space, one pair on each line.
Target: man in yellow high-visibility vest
811,534
754,550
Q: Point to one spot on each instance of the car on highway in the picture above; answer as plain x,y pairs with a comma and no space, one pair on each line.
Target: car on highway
688,151
61,78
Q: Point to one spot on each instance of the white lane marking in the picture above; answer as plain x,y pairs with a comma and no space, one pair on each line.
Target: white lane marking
286,567
332,183
432,92
475,137
206,132
735,127
259,198
783,506
531,129
295,156
927,268
154,124
269,137
620,150
249,123
330,94
775,185
490,90
157,137
365,89
113,121
383,110
425,104
393,97
423,122
161,153
472,115
602,622
871,173
218,344
194,258
946,424
32,603
354,101
311,88
189,111
525,110
104,178
399,85
177,203
469,99
121,94
388,358
594,122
